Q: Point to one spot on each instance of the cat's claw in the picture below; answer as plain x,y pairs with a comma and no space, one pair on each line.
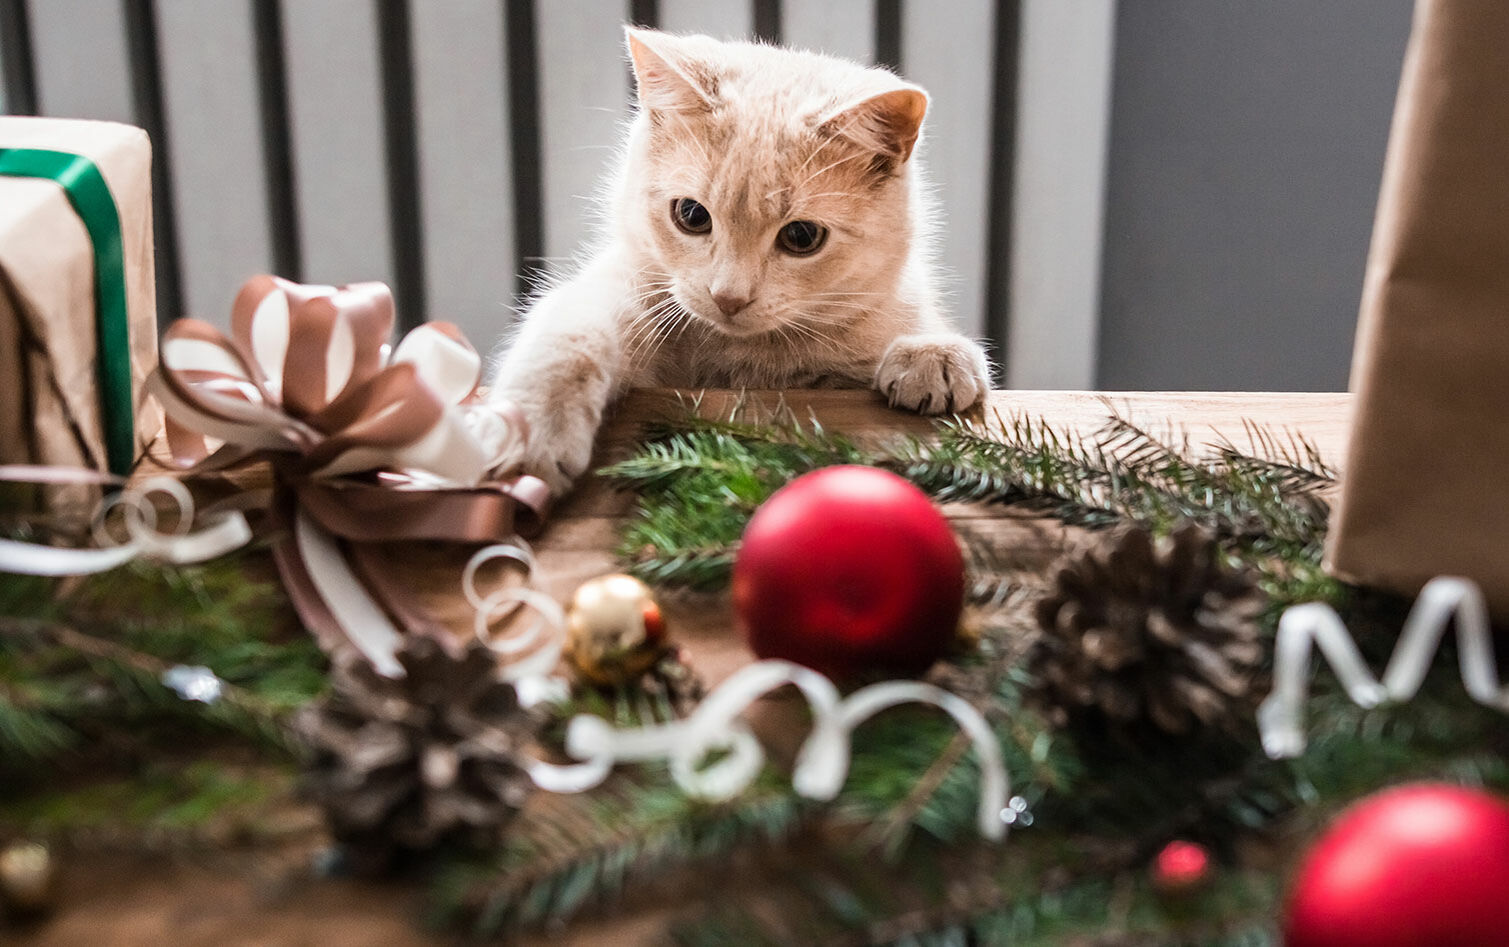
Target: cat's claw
933,374
556,459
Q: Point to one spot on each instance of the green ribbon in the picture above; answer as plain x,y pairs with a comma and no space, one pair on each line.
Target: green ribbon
91,199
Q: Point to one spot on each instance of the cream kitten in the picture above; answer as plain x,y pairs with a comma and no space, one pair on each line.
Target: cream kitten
766,228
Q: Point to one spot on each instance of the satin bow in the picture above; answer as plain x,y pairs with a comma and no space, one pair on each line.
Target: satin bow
368,443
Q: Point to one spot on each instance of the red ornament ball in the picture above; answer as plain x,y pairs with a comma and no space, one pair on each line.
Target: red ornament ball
849,569
1181,867
1422,864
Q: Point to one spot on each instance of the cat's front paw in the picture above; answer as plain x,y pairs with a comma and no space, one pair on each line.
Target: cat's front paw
535,444
933,374
557,457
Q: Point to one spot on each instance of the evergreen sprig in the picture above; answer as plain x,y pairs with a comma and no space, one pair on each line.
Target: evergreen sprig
699,486
699,483
82,670
567,856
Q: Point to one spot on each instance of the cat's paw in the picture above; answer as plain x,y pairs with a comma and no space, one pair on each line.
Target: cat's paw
556,457
933,374
549,451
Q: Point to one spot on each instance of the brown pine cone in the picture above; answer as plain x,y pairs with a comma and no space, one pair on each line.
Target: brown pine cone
1136,630
404,764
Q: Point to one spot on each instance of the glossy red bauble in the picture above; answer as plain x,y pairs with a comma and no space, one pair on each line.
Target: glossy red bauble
1422,864
849,570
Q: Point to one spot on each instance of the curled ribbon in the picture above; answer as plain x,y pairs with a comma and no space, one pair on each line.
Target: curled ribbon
368,443
822,763
1281,716
218,535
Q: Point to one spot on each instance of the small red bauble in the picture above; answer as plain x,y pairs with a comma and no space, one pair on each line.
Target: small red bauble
1422,864
1181,867
849,569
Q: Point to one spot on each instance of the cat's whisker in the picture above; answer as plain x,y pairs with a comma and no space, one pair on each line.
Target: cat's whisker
829,167
807,334
814,197
676,322
642,326
648,316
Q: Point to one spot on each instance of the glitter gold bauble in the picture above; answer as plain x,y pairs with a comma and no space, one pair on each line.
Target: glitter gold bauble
615,631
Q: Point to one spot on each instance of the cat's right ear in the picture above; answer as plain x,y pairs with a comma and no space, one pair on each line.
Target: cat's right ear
667,81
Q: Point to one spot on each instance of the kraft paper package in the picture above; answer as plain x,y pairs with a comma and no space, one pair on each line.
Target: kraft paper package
78,323
1425,490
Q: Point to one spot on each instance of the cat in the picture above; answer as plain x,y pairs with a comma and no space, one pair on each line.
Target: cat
767,227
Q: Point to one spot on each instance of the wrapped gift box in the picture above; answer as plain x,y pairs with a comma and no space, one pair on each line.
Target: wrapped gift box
78,319
1423,492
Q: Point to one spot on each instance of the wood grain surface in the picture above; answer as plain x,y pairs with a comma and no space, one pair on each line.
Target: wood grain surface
578,542
268,897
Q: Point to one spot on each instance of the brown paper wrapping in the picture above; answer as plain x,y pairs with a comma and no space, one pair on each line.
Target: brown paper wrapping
1424,489
49,400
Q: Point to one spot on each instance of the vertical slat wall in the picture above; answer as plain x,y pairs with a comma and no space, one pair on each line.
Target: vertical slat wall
838,27
724,19
79,52
310,188
1064,96
335,88
210,91
948,48
465,164
584,92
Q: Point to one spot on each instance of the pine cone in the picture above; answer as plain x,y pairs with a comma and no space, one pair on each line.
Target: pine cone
674,681
1165,632
403,764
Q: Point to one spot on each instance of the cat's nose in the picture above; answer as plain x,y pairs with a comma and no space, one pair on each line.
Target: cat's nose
729,303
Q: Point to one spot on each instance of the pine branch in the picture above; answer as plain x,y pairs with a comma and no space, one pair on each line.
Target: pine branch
135,679
583,851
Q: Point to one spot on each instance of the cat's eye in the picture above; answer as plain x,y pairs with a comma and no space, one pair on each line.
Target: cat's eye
802,237
690,216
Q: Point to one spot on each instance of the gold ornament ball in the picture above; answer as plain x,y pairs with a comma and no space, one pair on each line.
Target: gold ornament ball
28,877
615,631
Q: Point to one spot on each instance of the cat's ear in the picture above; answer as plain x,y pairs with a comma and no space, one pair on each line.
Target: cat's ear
886,124
667,81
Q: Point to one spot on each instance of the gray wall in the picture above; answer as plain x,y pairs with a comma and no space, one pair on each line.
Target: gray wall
1246,147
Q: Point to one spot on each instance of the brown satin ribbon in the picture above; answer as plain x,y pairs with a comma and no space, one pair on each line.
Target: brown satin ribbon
378,407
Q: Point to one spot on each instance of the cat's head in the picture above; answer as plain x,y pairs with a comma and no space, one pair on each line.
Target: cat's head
767,186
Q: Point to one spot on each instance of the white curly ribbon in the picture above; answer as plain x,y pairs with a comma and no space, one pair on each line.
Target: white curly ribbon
822,764
219,535
1281,716
532,652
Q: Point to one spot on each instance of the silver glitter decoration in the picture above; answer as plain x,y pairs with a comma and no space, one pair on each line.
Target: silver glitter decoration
193,682
1016,812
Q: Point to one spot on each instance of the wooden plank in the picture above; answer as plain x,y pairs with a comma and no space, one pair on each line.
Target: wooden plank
210,92
460,85
335,109
584,92
721,19
948,47
844,28
1205,418
81,61
1063,125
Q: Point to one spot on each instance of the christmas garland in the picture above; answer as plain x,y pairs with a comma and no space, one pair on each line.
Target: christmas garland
100,676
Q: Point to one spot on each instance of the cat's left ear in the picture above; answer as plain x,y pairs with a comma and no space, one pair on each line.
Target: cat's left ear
666,80
887,124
